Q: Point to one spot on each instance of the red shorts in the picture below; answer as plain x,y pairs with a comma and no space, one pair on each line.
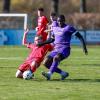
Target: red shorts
27,64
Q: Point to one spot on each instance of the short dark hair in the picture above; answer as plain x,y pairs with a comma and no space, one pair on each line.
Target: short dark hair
62,17
53,14
41,9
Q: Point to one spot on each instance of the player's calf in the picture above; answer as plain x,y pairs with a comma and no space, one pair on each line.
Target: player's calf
34,66
48,62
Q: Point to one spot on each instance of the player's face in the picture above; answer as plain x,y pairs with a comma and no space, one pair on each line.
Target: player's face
61,22
53,18
37,40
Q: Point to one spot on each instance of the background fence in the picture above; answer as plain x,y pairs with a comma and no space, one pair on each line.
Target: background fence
14,37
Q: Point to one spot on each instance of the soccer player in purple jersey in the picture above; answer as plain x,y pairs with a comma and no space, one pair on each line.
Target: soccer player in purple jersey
62,37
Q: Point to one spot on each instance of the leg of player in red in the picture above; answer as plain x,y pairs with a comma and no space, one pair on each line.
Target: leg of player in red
32,66
23,67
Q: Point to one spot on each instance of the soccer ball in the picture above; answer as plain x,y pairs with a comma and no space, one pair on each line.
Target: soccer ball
27,75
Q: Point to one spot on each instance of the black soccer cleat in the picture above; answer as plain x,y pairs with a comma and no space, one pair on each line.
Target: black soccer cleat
64,76
46,75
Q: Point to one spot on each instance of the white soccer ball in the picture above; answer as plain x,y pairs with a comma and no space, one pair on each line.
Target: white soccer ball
27,75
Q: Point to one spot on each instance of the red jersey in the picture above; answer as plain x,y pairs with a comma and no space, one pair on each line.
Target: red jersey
38,53
42,25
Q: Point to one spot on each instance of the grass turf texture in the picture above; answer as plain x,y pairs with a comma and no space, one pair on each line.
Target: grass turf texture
82,84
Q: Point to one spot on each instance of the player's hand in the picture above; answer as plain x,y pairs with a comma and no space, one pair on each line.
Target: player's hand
86,52
48,30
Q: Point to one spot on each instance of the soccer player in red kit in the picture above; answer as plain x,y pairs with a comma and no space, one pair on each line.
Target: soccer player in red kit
42,24
35,57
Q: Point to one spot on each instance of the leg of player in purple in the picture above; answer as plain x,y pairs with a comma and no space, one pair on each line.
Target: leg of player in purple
57,57
49,61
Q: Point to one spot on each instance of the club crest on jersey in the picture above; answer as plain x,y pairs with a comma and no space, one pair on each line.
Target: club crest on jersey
58,33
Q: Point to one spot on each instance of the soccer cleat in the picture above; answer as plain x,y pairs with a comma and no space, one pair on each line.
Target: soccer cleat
32,74
46,75
64,75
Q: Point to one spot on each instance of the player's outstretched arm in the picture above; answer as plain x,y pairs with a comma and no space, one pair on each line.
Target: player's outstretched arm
49,40
24,42
83,42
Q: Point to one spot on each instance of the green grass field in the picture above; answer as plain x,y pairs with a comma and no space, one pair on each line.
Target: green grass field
82,84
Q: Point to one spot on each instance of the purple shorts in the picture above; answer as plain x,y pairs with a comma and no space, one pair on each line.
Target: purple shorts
65,52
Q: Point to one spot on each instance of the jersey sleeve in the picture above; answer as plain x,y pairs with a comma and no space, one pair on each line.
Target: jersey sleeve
71,29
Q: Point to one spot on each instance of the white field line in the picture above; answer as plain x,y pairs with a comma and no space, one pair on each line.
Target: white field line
91,60
71,58
11,58
85,57
76,49
15,48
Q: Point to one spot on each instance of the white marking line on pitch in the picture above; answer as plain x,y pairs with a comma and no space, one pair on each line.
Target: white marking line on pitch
11,58
14,48
85,57
79,49
71,58
85,60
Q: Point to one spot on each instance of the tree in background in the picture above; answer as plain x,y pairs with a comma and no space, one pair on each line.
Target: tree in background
54,7
83,6
6,6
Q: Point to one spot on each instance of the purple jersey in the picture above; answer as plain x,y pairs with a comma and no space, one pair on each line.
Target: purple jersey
63,35
62,40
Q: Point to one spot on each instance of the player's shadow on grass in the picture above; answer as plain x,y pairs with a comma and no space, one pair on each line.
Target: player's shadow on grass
91,65
78,80
68,80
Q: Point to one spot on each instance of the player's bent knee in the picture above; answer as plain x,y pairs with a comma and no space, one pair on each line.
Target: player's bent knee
57,57
19,74
47,62
34,63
